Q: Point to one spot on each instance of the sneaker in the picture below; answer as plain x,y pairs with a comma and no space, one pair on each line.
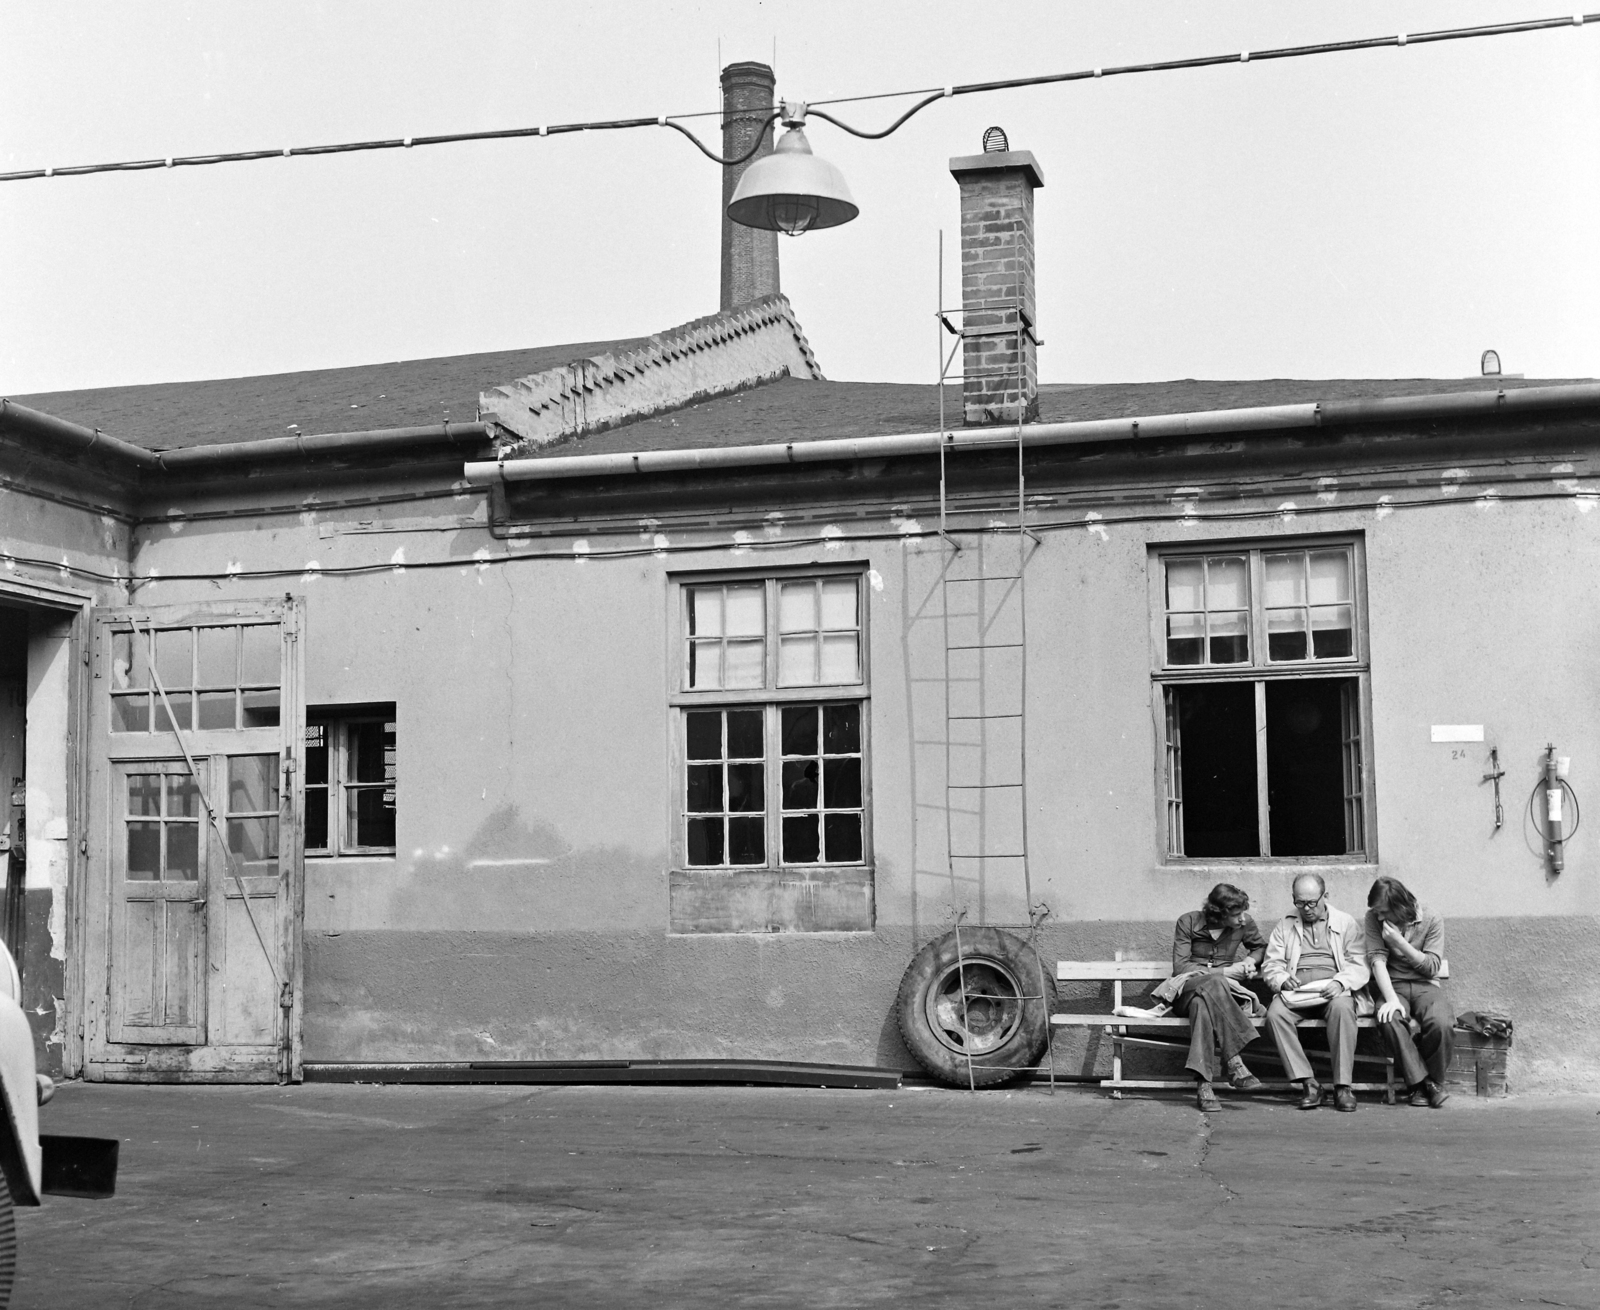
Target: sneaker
1312,1097
1240,1078
1344,1100
1205,1099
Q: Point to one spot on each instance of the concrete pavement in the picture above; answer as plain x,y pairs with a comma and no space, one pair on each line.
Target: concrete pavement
627,1196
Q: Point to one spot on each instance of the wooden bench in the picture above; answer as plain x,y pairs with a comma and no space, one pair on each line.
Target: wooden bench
1119,971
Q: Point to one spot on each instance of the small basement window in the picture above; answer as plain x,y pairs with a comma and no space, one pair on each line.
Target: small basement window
350,763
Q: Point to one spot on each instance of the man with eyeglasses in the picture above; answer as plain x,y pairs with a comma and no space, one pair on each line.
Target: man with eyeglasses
1316,963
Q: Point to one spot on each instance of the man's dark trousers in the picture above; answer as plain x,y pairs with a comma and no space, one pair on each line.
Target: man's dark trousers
1428,1054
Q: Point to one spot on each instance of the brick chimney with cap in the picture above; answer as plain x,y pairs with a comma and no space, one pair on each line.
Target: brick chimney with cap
997,187
749,255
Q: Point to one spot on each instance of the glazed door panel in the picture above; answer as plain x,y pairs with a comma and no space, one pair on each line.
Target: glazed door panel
192,925
158,906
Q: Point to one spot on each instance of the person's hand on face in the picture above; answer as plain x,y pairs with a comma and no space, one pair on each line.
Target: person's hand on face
1392,936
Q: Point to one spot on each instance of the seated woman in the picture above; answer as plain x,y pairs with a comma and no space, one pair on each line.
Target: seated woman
1214,949
1405,948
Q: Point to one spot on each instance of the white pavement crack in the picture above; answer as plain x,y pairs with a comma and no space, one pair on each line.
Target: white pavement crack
1203,1155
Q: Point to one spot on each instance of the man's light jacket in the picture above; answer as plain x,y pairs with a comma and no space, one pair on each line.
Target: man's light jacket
1346,939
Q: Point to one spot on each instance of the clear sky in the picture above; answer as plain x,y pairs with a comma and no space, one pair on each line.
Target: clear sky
1381,214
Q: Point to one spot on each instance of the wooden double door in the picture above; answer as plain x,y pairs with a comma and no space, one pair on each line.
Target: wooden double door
192,961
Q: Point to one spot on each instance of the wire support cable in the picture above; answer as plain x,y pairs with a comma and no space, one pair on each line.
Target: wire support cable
65,568
930,95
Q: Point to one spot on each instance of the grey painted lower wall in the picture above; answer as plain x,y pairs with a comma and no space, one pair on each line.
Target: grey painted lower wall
392,996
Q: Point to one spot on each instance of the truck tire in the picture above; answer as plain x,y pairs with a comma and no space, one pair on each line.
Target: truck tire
1004,1025
8,1243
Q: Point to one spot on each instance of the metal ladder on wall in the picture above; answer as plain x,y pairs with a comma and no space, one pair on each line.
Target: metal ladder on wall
984,606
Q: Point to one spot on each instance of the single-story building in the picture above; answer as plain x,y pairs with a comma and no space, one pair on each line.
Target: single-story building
661,698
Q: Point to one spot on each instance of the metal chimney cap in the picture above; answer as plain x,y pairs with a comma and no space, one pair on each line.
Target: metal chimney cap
994,141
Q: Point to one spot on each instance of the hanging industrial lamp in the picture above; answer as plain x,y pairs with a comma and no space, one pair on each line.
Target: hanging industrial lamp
791,190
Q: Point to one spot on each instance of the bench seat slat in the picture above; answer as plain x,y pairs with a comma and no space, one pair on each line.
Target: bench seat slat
1116,1021
1110,970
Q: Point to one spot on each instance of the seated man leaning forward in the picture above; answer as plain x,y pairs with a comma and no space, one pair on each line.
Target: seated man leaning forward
1214,950
1316,963
1405,947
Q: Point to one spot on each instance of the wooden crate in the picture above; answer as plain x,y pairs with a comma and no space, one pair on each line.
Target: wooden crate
1479,1065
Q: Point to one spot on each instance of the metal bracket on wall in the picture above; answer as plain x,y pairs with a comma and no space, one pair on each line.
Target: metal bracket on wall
1494,775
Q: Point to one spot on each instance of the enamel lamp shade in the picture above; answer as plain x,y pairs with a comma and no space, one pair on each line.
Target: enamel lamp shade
791,190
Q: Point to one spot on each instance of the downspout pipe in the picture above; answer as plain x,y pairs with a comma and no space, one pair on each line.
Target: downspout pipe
25,422
1216,422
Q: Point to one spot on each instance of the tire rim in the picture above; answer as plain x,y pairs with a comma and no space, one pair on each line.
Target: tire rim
992,1013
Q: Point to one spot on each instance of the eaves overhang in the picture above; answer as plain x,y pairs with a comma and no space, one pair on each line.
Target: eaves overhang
139,465
1149,428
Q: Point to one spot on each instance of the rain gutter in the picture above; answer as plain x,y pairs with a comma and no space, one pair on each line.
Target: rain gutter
326,443
39,425
19,419
1203,423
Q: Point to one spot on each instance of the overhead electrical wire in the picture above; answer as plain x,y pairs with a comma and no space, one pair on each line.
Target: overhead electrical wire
930,95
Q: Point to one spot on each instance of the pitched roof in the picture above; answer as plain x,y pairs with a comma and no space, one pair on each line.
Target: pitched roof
407,393
173,415
790,410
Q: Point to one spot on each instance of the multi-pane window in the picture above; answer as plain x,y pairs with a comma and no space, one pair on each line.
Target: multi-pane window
1306,609
163,821
253,815
773,723
350,781
220,676
1262,674
822,793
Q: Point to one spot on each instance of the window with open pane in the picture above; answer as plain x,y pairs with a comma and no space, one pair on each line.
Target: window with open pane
1263,681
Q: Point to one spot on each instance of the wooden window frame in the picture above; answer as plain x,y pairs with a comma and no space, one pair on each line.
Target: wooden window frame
337,720
1358,796
772,698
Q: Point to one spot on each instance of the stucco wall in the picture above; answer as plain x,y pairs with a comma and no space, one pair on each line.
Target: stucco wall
55,556
525,913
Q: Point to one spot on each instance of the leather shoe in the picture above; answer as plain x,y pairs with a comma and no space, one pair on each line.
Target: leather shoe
1240,1077
1205,1099
1313,1095
1344,1100
1429,1093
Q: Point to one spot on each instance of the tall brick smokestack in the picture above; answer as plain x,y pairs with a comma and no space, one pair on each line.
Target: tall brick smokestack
749,255
998,386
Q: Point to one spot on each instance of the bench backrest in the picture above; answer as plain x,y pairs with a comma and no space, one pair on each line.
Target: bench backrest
1113,970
